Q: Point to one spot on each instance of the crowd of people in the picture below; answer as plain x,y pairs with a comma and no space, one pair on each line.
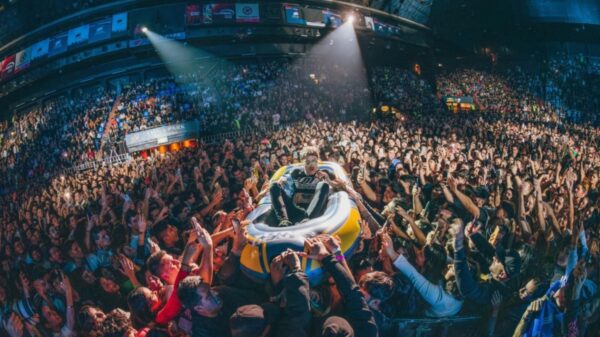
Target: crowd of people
489,214
560,87
404,90
52,135
235,97
460,215
251,95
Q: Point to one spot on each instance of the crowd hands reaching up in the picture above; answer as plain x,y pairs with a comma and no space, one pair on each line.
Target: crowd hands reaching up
460,216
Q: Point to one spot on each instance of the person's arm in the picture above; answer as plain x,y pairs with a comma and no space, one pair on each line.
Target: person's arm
127,268
528,315
356,310
173,305
230,269
553,219
557,177
419,235
13,325
496,303
433,294
521,208
206,264
364,209
25,284
422,176
217,198
70,315
88,230
397,230
467,285
539,201
463,199
368,191
497,197
417,205
172,184
571,205
156,197
146,203
447,194
296,312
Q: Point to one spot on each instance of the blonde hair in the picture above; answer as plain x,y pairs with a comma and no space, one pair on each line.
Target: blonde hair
309,151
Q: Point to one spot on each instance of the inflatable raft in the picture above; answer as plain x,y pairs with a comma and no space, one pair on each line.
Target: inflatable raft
265,240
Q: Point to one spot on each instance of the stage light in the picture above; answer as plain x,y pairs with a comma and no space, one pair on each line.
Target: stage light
351,18
144,29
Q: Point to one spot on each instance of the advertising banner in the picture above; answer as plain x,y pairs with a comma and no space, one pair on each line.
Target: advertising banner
40,49
78,35
100,30
164,135
193,15
332,19
271,13
7,68
58,44
22,59
223,13
313,17
119,22
293,14
245,13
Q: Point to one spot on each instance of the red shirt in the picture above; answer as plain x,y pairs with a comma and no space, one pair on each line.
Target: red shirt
173,306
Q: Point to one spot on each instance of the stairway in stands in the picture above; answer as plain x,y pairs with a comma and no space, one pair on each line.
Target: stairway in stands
109,125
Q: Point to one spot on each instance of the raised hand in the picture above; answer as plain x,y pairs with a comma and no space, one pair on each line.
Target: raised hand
316,249
332,243
65,281
217,197
204,238
126,266
457,232
290,259
142,224
276,268
388,246
452,184
14,325
366,231
496,301
240,239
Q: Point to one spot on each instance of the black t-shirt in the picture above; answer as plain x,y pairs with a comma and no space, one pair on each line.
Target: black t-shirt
210,327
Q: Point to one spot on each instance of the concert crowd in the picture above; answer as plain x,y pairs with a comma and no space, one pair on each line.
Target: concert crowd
491,215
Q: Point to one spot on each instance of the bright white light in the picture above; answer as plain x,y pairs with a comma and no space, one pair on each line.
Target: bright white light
144,29
351,18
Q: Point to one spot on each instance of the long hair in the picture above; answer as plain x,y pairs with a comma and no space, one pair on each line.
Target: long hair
141,313
435,263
